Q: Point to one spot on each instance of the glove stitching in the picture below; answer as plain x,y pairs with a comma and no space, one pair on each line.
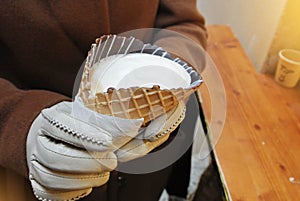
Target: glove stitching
45,199
162,134
142,143
171,128
70,131
105,158
129,150
45,133
88,123
81,178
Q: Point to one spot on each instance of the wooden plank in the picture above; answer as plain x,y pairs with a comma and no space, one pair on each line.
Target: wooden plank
259,149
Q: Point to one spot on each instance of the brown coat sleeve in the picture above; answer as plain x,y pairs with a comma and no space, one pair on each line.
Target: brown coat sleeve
182,16
18,109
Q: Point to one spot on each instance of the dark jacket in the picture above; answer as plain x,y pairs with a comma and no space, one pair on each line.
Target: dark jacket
42,46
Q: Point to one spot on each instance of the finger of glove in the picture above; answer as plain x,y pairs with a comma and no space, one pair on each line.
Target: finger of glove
57,155
121,129
166,123
60,125
66,181
137,148
46,194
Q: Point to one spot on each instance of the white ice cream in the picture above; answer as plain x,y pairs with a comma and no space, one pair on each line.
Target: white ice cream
137,70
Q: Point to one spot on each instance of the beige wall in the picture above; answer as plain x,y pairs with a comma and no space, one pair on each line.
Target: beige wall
286,36
253,21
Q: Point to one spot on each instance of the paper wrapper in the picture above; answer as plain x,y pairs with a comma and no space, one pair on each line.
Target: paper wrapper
133,102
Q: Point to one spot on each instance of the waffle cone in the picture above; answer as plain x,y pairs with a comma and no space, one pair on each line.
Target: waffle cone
133,102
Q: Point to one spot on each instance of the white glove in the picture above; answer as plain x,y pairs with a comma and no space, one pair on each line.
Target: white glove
67,156
155,134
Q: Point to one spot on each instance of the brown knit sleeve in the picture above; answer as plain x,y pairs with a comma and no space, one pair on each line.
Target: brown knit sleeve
18,109
182,16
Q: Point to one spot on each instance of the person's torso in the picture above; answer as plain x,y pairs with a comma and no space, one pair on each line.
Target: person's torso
43,43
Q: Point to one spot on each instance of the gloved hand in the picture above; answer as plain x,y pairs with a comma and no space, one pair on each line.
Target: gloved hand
155,134
71,150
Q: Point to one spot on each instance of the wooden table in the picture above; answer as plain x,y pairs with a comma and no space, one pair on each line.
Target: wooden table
259,148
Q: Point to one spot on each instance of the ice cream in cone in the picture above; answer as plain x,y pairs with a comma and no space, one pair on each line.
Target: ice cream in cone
125,78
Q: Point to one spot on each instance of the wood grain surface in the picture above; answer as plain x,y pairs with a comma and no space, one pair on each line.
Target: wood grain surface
259,148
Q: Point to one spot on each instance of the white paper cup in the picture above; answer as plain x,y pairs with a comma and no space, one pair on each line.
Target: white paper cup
288,68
